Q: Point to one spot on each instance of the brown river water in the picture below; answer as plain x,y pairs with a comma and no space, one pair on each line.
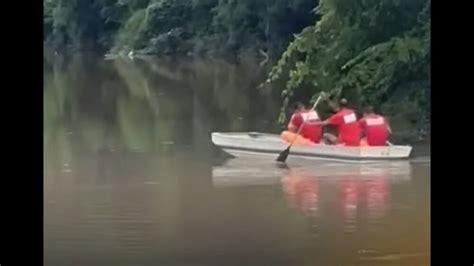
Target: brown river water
131,176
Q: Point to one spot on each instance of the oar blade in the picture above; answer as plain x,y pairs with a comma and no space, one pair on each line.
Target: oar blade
283,155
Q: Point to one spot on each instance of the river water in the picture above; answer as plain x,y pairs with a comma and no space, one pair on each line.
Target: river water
132,178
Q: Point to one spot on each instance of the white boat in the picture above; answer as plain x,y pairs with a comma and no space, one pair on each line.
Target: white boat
263,145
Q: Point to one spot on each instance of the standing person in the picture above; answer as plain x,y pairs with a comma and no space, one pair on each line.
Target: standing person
306,118
375,127
347,126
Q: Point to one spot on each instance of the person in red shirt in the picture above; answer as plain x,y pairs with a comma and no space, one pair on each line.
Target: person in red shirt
375,127
309,120
346,122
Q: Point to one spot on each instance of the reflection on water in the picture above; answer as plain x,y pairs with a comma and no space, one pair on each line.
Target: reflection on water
353,193
131,177
377,192
348,188
356,193
302,192
357,213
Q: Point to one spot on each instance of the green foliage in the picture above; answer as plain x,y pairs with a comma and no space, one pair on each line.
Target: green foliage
133,30
176,26
371,52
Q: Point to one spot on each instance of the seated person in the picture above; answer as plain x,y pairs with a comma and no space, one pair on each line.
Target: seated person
309,122
346,123
375,127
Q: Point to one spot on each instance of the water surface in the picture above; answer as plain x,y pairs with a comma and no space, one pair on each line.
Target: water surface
131,177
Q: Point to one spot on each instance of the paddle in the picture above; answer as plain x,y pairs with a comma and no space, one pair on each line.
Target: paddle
284,154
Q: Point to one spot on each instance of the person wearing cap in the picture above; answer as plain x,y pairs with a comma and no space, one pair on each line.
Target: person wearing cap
345,121
375,127
306,118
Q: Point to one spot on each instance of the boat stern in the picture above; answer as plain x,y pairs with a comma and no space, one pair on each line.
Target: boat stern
389,152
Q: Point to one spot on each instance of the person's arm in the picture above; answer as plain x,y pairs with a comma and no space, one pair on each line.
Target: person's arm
334,120
321,123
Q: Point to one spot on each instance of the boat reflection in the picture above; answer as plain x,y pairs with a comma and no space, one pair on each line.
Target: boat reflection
351,195
246,172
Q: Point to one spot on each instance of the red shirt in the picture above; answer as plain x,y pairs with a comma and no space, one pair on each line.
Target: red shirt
346,122
310,130
375,127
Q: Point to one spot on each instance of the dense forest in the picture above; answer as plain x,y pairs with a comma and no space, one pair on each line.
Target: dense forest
369,51
198,27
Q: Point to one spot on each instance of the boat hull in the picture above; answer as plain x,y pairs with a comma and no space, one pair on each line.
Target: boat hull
270,145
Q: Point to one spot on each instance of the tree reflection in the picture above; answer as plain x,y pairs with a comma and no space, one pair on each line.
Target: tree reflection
149,106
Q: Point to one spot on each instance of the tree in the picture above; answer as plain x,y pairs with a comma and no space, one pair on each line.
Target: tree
369,51
225,27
